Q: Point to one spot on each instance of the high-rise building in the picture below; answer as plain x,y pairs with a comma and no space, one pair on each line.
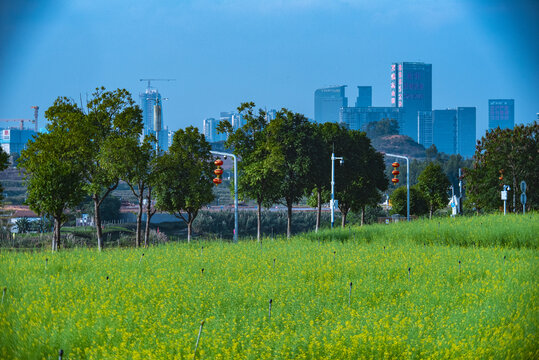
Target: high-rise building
451,130
355,118
444,130
501,113
328,102
364,96
152,117
466,125
424,128
411,90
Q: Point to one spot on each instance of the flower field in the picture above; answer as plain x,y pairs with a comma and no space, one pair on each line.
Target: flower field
384,291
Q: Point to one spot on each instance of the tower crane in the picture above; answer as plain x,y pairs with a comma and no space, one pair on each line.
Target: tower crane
34,121
150,80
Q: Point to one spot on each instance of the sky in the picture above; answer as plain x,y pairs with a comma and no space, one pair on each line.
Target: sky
274,52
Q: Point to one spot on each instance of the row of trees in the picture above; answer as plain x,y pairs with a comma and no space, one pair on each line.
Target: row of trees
87,151
288,157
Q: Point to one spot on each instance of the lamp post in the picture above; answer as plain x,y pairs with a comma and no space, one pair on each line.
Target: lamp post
407,183
332,202
235,189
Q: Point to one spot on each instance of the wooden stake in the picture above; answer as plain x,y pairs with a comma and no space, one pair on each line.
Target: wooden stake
198,339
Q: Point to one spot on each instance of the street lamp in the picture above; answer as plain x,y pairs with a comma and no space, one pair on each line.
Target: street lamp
235,189
332,202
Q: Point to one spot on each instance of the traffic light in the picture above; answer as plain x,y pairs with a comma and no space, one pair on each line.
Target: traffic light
395,172
218,172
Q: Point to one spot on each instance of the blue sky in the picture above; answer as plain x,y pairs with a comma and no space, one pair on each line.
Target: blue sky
275,53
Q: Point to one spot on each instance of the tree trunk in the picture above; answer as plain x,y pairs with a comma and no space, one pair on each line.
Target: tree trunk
344,212
189,223
97,217
56,234
148,217
430,212
259,221
139,219
319,211
362,215
514,192
289,225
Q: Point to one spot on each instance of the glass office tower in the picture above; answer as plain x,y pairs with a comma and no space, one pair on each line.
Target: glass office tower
411,90
466,124
501,113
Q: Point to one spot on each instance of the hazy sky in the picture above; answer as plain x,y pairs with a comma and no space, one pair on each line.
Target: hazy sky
275,53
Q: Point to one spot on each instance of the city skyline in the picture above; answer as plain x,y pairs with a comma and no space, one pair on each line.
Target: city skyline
275,54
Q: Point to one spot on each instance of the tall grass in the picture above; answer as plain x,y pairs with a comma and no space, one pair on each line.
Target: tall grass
516,231
120,304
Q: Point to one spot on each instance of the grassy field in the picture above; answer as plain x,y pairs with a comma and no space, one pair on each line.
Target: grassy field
449,288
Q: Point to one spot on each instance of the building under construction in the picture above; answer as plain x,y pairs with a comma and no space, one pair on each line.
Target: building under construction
13,139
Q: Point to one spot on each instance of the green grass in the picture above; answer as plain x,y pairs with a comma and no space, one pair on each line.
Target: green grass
151,306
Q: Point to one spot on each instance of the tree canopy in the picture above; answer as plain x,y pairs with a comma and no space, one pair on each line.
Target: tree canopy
504,157
52,166
434,184
184,176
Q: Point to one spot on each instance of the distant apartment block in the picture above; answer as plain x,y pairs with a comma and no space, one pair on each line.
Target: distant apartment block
501,113
210,130
411,90
328,102
14,140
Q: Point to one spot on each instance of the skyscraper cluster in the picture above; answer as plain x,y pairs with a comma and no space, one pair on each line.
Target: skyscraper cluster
451,130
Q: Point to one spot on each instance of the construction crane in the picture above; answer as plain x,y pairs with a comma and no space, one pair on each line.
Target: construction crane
34,121
150,80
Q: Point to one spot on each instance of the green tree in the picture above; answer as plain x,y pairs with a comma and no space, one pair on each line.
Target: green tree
4,163
361,179
184,176
133,161
52,167
418,203
510,154
433,183
290,139
112,117
259,166
324,136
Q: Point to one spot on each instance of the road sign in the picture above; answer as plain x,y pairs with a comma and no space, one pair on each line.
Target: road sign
504,195
523,198
523,186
